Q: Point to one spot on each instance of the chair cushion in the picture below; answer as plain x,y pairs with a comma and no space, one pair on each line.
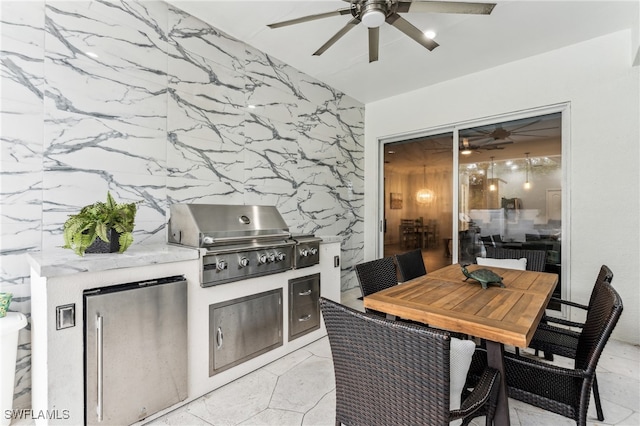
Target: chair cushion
520,264
459,361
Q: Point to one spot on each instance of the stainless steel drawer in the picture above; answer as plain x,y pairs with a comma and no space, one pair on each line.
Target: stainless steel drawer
304,310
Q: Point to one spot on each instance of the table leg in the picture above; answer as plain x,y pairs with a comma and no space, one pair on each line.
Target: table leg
495,353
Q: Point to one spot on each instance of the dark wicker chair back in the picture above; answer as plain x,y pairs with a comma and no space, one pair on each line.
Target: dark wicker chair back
410,265
376,275
389,373
567,391
535,258
604,276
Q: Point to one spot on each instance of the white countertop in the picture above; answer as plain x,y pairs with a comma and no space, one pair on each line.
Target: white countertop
52,263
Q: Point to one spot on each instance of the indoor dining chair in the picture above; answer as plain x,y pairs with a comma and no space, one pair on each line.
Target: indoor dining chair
391,373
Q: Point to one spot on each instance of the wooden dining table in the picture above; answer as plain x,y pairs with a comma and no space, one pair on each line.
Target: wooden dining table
506,315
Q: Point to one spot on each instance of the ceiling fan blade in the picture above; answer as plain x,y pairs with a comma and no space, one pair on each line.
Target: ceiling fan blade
406,27
352,23
339,12
374,43
445,7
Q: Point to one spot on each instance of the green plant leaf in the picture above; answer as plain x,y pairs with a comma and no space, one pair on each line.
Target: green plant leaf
125,241
102,231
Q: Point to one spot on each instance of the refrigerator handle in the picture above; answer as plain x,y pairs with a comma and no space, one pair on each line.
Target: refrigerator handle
99,339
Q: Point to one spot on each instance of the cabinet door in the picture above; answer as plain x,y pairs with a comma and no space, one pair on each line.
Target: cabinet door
244,328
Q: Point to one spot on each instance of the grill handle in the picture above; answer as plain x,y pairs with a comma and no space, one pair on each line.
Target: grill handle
251,237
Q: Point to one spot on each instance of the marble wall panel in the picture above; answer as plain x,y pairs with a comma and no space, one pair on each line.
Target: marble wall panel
183,190
66,191
109,40
158,112
188,33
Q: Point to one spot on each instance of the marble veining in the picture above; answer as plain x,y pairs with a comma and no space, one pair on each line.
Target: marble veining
141,99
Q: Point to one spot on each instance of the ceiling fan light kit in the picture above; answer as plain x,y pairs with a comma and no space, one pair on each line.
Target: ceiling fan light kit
373,13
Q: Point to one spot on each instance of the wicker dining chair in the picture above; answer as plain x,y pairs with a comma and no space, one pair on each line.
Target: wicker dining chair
559,340
391,373
564,391
376,275
410,265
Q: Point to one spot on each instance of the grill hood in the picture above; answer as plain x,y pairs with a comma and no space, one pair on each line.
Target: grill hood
202,225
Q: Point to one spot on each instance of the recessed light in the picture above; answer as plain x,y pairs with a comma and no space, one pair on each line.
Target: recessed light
251,106
430,34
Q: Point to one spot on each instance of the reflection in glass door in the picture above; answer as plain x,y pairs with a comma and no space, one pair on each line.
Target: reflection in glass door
510,192
418,191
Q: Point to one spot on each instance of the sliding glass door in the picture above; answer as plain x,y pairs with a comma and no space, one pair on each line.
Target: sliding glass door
510,192
502,196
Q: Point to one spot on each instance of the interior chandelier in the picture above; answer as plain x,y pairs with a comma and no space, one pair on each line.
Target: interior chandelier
424,195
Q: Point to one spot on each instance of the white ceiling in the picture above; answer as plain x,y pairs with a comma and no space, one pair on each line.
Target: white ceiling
468,43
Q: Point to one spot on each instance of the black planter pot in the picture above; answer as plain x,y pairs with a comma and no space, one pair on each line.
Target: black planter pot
99,246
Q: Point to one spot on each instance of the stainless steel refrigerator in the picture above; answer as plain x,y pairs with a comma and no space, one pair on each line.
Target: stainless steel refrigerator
135,350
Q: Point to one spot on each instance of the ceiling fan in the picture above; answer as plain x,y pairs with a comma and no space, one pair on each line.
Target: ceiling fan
373,13
466,147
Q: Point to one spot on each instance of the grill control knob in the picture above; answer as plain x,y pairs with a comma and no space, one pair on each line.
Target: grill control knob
221,265
243,262
262,259
207,240
304,253
313,251
272,257
280,256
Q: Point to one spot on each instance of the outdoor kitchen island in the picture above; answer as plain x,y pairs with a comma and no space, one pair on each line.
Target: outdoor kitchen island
59,278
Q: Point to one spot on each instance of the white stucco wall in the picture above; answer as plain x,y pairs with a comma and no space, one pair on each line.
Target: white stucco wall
600,84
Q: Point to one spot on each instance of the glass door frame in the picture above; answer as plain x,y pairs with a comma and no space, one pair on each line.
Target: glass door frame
563,108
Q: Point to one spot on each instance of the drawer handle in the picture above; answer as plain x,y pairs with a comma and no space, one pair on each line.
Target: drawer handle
305,293
304,318
219,337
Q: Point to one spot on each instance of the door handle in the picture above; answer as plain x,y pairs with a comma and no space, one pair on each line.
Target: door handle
304,318
100,358
219,338
305,293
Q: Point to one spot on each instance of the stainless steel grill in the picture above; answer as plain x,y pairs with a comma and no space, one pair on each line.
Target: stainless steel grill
239,241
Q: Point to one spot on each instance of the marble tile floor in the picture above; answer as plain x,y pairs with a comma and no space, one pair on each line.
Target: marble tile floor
298,389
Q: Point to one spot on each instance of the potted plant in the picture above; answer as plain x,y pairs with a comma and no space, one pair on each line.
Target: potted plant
101,227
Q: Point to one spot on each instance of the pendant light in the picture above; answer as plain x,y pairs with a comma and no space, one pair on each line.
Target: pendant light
527,184
492,186
424,195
